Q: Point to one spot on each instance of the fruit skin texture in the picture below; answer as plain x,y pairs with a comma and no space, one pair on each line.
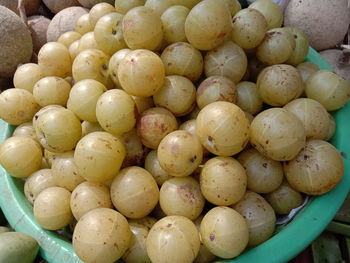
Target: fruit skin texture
325,22
99,156
222,128
328,88
224,232
316,170
64,21
101,235
207,24
52,208
17,247
15,42
173,239
223,181
277,134
38,26
260,217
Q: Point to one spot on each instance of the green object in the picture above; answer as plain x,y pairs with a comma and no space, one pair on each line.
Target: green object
343,214
346,249
290,240
17,247
339,228
326,249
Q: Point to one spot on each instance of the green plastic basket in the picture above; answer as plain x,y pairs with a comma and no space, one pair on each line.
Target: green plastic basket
288,242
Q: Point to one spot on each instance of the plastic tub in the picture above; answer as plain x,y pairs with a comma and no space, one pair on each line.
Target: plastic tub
291,239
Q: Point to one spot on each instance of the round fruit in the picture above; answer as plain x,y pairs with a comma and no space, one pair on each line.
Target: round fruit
58,129
224,232
331,90
83,98
216,88
26,76
277,134
114,63
277,47
115,111
142,28
134,192
317,169
51,90
102,234
174,238
177,94
271,11
260,217
207,24
154,124
20,156
17,106
54,60
92,64
223,181
65,172
249,28
222,128
173,20
181,58
228,60
52,209
181,196
248,98
284,199
108,33
137,251
313,116
180,153
99,156
263,174
152,165
279,84
88,196
16,42
141,73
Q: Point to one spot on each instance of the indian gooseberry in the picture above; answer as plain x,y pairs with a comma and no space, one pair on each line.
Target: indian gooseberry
264,175
181,196
99,156
317,169
313,116
331,90
207,24
277,134
260,217
134,192
223,181
154,124
284,199
222,128
174,238
141,73
228,238
180,153
216,88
